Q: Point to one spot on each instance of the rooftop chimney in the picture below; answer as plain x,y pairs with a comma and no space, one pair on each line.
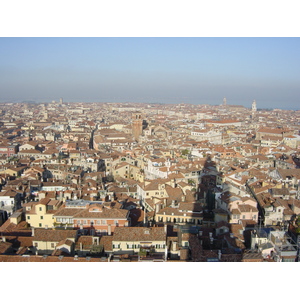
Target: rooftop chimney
174,246
157,207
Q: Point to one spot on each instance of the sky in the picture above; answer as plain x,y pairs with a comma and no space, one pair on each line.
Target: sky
198,70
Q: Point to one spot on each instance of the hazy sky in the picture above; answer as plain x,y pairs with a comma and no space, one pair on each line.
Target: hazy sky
170,70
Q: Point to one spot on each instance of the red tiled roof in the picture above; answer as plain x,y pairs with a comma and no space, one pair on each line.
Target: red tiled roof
49,258
53,235
139,234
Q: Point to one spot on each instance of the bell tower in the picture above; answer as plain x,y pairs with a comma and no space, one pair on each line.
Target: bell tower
137,124
254,109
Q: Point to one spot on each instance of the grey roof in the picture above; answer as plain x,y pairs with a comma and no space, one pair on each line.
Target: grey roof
267,245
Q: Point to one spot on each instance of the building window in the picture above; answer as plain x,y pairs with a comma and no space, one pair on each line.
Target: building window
288,260
41,217
52,245
36,244
103,222
28,217
40,224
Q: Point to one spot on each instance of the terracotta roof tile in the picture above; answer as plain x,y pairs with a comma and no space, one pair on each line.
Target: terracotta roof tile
106,241
139,234
53,235
49,258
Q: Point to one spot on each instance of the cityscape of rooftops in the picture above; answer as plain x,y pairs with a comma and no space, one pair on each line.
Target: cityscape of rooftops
140,132
149,149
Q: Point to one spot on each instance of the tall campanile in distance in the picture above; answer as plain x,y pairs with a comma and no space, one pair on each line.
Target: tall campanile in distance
254,109
137,125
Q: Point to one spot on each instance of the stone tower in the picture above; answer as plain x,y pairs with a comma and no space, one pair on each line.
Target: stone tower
254,107
137,124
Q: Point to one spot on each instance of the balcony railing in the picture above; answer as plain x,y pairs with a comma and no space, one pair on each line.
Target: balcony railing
63,224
